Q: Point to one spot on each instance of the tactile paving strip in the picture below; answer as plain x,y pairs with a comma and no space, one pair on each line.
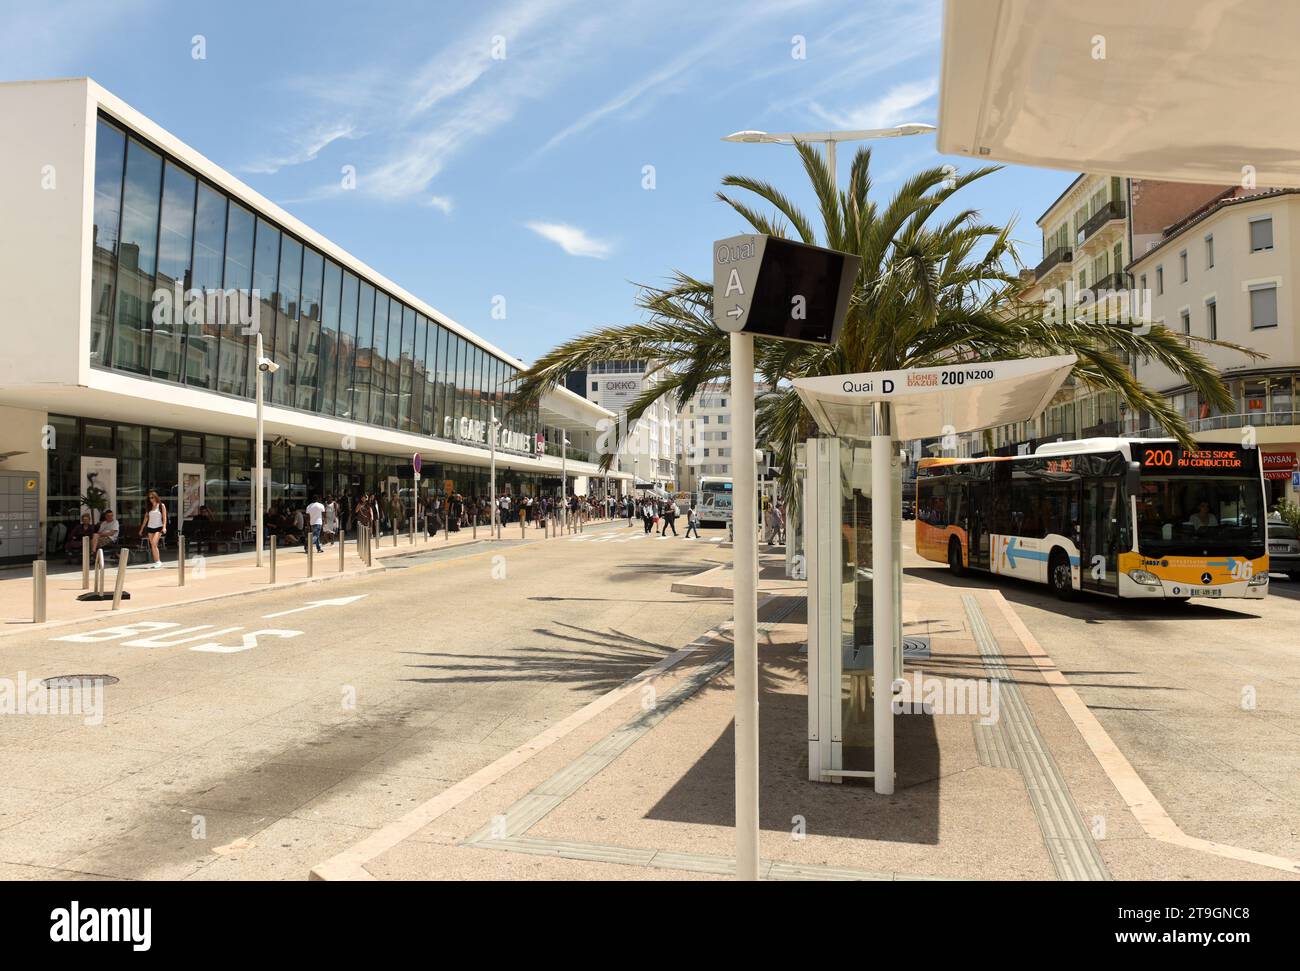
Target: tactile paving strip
1068,840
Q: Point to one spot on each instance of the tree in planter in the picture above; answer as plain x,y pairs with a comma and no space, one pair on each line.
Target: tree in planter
96,500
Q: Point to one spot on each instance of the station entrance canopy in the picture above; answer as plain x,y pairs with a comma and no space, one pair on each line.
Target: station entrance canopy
1191,90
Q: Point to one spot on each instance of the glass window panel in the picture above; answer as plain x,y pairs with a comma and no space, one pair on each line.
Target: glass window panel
406,404
480,384
175,249
329,338
455,366
347,346
286,320
203,327
362,375
110,156
309,338
379,359
419,417
137,257
440,403
232,370
266,268
393,368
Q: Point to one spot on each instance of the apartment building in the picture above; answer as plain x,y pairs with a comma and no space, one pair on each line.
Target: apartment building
1228,271
1090,234
649,451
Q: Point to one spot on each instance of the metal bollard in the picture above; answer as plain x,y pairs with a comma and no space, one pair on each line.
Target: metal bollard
272,559
412,525
180,561
99,573
370,547
394,535
521,529
311,557
85,563
38,591
121,578
474,533
343,545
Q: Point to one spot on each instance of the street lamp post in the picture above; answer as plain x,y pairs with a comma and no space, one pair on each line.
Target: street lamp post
492,486
564,475
828,138
264,366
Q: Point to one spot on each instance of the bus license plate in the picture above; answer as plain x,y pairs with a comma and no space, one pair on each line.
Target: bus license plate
1206,592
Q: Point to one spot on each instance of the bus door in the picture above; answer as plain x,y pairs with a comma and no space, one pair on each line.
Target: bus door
1099,522
977,512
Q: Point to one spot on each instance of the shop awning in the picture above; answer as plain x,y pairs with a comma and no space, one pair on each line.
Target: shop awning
1191,90
936,401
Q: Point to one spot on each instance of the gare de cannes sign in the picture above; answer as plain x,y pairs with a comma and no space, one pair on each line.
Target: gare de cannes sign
475,432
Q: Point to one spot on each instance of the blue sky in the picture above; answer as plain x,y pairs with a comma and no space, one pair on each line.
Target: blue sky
480,175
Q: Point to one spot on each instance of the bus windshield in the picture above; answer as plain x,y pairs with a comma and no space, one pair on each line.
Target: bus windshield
1197,516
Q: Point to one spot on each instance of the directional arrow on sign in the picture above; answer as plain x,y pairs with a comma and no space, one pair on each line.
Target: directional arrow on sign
312,604
736,311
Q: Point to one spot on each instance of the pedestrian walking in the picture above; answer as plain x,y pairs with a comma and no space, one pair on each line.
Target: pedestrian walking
692,522
154,527
331,528
670,518
315,523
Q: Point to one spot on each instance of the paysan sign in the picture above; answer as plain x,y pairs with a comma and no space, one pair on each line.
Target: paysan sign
772,287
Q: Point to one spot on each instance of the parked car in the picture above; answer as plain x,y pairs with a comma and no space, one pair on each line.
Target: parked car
1284,550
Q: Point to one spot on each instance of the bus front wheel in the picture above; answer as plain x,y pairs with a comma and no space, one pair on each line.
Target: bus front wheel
955,563
1060,576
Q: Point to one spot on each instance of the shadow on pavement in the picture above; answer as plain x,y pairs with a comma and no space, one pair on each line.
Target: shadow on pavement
705,794
1089,608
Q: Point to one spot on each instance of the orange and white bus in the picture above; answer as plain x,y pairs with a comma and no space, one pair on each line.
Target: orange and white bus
1117,516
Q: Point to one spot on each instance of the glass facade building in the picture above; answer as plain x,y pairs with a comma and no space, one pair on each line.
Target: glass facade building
138,294
184,275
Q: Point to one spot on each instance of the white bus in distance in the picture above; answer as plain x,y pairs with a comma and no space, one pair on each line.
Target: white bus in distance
713,500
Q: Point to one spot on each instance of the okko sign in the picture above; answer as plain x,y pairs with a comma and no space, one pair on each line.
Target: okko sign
773,287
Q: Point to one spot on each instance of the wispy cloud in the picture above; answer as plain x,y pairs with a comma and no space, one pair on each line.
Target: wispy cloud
441,202
722,45
464,92
897,105
313,143
571,239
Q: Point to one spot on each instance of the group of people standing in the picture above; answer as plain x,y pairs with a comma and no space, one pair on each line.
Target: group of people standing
663,512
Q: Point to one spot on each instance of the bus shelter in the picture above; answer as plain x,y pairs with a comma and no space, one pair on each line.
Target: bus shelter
852,522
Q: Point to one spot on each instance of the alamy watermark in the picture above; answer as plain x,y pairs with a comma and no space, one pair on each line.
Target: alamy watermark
1129,307
197,306
67,696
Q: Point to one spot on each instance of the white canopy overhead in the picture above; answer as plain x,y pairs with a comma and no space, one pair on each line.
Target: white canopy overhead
1191,90
935,401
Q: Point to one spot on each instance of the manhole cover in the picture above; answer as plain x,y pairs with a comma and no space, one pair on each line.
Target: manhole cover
78,680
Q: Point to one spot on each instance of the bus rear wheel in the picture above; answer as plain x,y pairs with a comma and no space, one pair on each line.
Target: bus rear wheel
955,563
1060,576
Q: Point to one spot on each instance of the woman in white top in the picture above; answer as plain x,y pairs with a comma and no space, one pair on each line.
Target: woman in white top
154,525
331,527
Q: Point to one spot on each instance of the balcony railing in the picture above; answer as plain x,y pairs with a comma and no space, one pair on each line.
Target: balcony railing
1113,281
1111,210
1259,419
1061,254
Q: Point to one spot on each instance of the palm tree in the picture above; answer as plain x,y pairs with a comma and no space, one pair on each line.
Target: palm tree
931,292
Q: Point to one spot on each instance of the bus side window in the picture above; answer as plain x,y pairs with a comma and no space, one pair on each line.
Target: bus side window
956,505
